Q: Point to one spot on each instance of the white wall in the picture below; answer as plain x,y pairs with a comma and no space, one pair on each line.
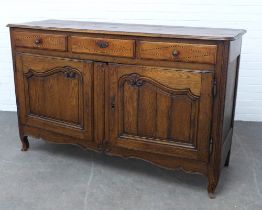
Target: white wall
246,14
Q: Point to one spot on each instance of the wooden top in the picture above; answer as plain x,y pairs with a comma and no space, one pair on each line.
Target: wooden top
135,29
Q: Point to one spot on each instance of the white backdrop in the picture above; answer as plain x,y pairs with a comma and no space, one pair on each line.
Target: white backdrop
246,14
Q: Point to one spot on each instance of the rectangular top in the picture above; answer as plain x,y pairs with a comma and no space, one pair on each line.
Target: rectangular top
135,29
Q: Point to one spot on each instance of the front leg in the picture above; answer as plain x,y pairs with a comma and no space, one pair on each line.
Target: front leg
211,189
25,143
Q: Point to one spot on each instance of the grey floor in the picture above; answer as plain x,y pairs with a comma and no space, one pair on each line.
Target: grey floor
54,177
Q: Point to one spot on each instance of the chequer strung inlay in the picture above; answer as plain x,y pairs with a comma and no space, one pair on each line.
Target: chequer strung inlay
114,47
163,94
40,40
184,52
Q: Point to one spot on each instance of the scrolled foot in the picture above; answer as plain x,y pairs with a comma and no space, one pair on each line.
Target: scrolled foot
211,195
25,143
212,184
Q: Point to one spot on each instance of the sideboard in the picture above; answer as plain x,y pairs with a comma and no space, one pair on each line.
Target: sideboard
159,93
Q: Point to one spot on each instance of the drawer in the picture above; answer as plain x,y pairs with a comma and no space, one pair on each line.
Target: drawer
103,46
40,40
183,52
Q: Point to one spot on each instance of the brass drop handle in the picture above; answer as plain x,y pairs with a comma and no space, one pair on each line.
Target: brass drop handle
175,53
38,41
102,44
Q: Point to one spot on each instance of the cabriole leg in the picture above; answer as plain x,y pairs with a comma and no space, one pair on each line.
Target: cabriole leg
212,184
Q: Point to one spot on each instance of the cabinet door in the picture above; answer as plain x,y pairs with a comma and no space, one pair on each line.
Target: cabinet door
159,110
55,94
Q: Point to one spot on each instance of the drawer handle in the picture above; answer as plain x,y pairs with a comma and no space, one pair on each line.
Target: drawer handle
102,44
38,41
175,53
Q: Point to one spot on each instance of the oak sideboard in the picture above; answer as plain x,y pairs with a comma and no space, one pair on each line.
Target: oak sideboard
159,93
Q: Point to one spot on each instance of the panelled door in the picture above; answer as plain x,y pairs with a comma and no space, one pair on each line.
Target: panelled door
55,94
159,110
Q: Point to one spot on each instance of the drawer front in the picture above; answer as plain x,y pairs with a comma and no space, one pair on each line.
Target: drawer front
40,40
103,46
195,53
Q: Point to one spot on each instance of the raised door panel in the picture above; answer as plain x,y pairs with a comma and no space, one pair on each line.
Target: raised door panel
160,110
55,94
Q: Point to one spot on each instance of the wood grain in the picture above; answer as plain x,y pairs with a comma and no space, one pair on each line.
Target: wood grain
197,53
180,120
113,47
159,93
52,100
163,115
46,41
146,111
130,105
154,94
180,32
